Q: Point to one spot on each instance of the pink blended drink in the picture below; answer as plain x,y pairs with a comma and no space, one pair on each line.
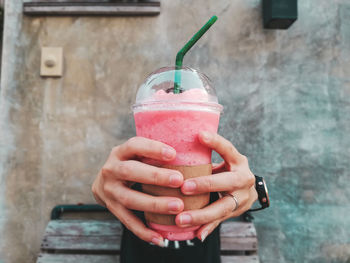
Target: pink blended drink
176,120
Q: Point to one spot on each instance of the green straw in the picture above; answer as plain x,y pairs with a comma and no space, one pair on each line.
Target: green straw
180,55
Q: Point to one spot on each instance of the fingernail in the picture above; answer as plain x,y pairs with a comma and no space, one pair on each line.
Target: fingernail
185,219
175,179
158,241
174,206
168,153
206,136
204,235
189,186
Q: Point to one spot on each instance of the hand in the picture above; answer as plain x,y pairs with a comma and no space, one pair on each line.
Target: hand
112,189
231,176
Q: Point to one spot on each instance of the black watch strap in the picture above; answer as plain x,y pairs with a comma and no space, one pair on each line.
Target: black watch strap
263,195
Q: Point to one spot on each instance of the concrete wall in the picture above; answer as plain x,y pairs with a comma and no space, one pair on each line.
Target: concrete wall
286,99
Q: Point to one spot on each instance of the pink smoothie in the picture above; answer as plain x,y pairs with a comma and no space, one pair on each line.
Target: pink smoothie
179,129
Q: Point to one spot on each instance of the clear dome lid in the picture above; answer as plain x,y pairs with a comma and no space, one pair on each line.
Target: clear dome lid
195,91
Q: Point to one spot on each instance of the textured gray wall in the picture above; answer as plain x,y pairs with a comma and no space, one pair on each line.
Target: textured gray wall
286,99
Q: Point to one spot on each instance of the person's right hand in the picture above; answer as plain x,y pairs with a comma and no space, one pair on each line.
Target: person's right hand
112,189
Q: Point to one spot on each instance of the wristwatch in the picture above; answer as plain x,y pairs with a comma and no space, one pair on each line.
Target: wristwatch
263,195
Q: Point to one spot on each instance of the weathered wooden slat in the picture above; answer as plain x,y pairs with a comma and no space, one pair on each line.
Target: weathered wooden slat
107,244
112,227
64,258
83,228
231,244
237,229
240,259
111,244
64,8
238,236
105,235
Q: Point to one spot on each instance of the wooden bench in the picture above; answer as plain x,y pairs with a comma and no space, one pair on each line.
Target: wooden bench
72,239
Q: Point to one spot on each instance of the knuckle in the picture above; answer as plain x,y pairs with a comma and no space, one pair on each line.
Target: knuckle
208,183
132,141
154,207
124,169
126,146
106,189
250,179
238,181
231,147
115,150
106,172
124,200
155,177
244,158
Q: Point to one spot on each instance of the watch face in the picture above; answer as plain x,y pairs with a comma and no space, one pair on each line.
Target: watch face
267,201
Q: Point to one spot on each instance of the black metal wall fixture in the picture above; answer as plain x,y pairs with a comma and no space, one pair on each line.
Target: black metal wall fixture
279,14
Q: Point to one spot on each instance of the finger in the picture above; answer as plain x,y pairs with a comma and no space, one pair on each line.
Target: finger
99,200
136,171
222,208
139,146
136,200
210,213
134,224
96,193
206,229
227,181
222,146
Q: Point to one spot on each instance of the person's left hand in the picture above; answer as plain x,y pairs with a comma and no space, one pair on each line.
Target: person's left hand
232,176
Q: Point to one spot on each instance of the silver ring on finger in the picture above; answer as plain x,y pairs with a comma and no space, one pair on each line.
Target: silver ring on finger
234,199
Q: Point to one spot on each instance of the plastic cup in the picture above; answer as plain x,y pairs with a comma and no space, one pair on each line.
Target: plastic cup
176,120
